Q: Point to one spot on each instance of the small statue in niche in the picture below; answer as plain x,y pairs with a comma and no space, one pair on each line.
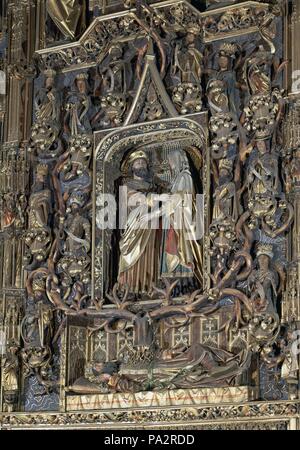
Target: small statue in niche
21,204
75,261
114,87
224,217
264,104
36,326
78,108
263,281
36,285
261,70
186,73
225,204
181,253
77,227
223,98
295,168
263,173
222,87
44,137
10,375
257,72
38,236
48,101
115,72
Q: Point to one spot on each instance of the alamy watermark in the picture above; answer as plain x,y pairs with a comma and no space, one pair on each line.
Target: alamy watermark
181,211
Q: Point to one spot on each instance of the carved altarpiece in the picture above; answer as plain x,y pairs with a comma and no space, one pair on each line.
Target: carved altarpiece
99,326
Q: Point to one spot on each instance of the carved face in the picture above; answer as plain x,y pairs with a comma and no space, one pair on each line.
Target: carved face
225,175
263,261
49,82
223,62
140,168
81,86
261,146
190,38
38,295
74,207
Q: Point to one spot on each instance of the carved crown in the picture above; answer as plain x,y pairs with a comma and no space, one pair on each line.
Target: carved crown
38,284
228,49
226,163
82,76
265,249
42,169
136,154
193,28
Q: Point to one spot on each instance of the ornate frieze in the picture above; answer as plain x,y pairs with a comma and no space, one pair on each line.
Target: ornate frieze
206,416
176,16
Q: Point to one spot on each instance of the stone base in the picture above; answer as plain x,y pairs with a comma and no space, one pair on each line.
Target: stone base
152,399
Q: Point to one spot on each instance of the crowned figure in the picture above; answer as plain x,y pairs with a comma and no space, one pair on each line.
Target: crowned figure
139,247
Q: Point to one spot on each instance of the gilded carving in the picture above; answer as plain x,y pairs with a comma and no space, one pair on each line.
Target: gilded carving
179,119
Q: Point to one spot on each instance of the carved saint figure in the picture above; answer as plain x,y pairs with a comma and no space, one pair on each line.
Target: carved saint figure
78,107
47,100
115,82
138,262
222,89
181,252
38,236
180,367
263,172
187,64
225,206
40,200
10,383
78,236
186,73
36,326
257,72
264,280
116,73
292,171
